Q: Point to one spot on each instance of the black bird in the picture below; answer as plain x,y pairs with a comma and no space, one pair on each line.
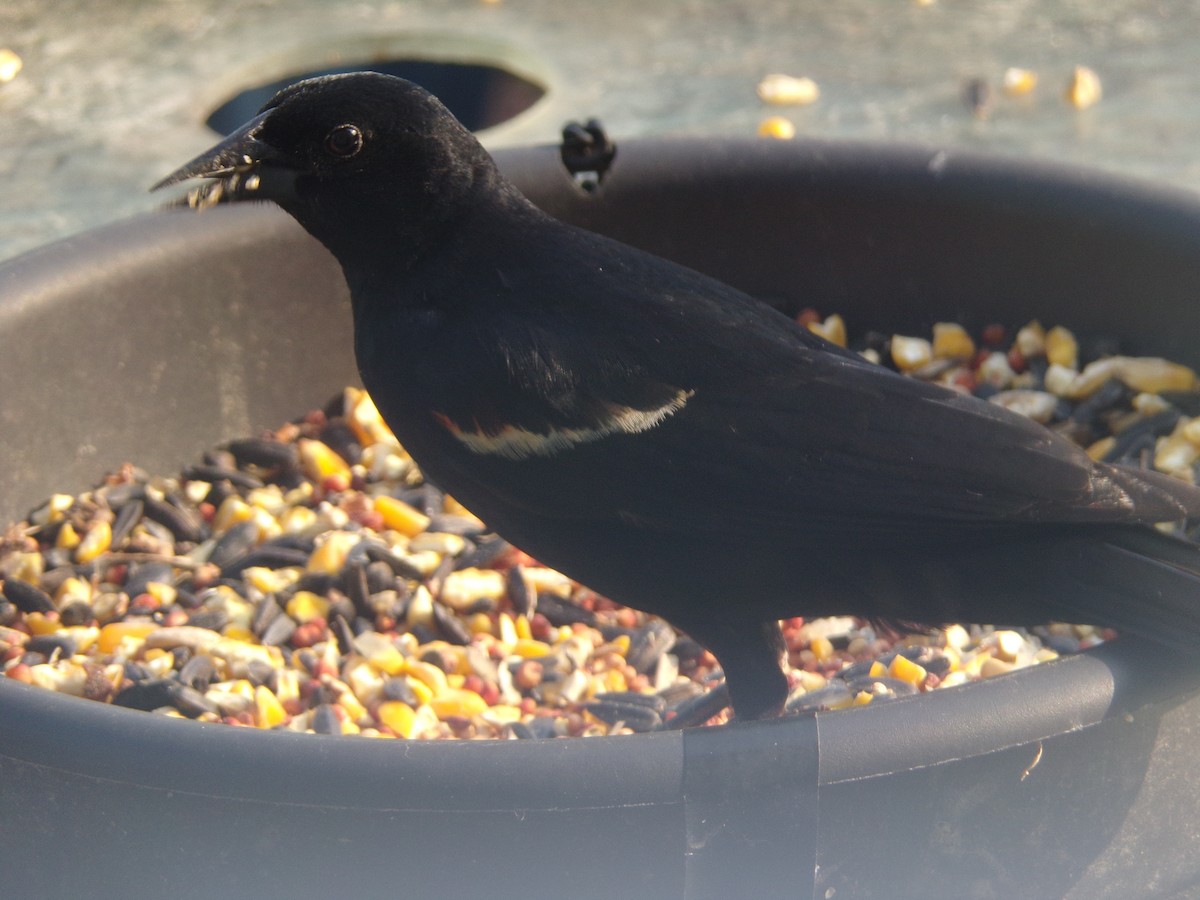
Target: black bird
672,442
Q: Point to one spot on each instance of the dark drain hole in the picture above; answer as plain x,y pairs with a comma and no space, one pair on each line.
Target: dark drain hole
479,95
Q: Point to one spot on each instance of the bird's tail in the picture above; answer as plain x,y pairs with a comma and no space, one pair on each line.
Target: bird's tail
1135,579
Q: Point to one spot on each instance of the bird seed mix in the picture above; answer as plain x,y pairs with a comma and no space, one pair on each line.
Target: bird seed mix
309,579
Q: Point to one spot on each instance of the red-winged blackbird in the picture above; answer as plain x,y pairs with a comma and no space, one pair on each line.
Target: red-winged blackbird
672,442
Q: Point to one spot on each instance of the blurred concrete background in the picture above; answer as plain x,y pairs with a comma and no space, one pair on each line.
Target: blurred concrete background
110,96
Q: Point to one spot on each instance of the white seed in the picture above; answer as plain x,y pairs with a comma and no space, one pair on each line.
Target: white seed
788,90
1031,340
996,371
1059,380
1036,405
1017,82
10,65
910,352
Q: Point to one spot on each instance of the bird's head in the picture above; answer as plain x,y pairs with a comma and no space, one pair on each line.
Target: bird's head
355,158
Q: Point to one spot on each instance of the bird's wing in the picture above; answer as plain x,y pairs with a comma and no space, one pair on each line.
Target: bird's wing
655,395
859,450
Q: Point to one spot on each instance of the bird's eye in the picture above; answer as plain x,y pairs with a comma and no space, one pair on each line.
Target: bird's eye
344,141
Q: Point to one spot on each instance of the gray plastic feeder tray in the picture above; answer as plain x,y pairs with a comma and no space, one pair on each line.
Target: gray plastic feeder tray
155,338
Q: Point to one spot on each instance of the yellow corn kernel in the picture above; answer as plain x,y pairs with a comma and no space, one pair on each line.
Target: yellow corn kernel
423,691
239,633
833,329
1150,374
85,636
777,127
429,674
27,567
68,538
479,623
305,606
954,657
1061,347
73,589
530,649
242,688
165,594
822,648
1102,447
1083,88
355,710
270,581
112,634
96,541
524,630
388,660
319,461
905,669
268,711
233,509
619,644
399,516
329,557
862,698
457,702
398,716
877,670
614,680
951,341
365,421
268,525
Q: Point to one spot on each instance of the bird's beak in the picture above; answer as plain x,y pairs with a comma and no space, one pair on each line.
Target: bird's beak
241,167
